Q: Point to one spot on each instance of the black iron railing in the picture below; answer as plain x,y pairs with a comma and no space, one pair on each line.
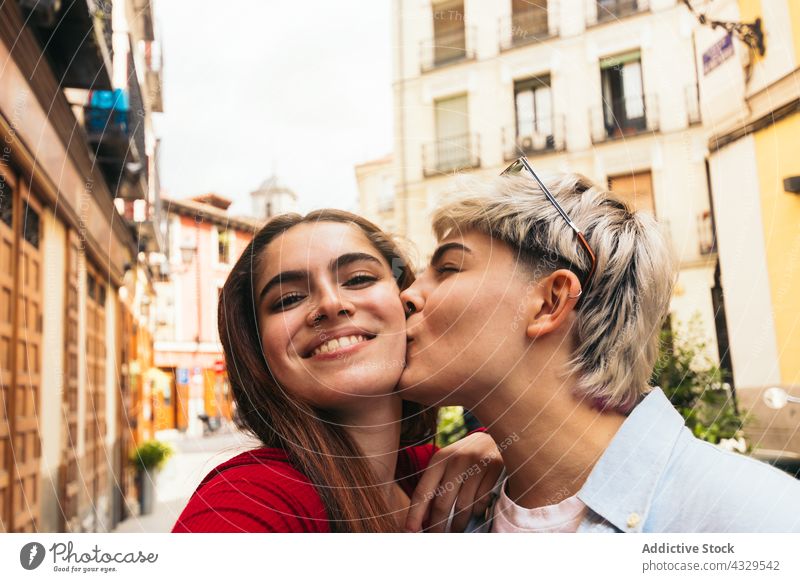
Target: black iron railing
451,153
623,117
548,138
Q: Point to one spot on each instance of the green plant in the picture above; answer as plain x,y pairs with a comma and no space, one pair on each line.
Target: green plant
450,425
696,386
150,455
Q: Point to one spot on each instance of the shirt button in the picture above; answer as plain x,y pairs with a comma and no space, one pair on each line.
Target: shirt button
633,520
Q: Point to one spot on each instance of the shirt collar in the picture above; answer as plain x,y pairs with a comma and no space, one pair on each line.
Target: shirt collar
622,484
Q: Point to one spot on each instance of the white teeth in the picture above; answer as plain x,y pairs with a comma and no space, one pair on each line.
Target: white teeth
334,344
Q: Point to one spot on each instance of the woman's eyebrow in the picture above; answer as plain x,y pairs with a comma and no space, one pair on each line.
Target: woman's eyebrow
284,277
298,275
347,258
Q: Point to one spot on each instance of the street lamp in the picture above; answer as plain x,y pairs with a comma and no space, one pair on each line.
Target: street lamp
188,250
776,398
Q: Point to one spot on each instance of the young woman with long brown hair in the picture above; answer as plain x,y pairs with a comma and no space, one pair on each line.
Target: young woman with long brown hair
314,338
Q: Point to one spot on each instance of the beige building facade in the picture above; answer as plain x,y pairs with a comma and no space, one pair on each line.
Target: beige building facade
607,89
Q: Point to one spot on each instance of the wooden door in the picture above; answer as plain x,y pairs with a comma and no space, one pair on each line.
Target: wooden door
96,459
74,497
26,442
7,291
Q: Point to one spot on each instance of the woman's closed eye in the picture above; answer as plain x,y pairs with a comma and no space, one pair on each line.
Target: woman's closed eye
446,268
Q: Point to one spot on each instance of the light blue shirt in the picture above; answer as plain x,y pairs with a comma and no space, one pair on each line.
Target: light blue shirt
656,476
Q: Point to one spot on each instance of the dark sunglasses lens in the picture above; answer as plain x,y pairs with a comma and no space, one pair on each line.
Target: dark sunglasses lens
514,168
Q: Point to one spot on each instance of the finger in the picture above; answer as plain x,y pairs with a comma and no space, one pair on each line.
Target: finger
424,494
465,501
445,499
488,480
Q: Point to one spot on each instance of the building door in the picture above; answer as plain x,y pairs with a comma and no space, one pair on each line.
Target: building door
20,354
73,497
7,289
97,457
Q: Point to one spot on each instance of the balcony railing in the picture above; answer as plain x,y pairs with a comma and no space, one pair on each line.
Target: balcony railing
611,10
447,49
535,143
450,154
526,28
624,117
693,105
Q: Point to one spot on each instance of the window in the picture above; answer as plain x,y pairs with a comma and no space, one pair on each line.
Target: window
449,36
613,9
223,245
636,189
452,133
30,225
623,97
534,110
528,20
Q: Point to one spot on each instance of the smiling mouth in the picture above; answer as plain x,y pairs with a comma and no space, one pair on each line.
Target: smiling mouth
340,343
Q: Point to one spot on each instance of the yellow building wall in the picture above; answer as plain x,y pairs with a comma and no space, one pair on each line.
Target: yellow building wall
777,158
751,9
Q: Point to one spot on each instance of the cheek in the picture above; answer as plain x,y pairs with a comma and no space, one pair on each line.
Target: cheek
276,339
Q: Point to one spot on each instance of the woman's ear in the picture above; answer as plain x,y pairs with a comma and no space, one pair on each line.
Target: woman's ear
551,303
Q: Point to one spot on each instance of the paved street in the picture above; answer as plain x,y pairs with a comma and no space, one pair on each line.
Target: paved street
194,458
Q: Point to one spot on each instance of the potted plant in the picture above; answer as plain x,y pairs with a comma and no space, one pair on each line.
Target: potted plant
148,459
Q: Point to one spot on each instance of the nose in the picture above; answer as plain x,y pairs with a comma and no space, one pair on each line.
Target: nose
412,299
330,305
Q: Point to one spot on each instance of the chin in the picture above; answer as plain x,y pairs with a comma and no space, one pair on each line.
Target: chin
418,392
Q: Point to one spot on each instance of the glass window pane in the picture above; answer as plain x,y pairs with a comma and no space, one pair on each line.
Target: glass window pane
632,89
525,119
544,111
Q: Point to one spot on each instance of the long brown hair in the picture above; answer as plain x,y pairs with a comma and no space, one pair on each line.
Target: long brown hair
321,450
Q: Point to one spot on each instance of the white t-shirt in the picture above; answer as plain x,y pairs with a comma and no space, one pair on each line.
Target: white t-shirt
562,517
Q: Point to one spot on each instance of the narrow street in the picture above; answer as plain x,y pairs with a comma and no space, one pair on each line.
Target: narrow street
194,457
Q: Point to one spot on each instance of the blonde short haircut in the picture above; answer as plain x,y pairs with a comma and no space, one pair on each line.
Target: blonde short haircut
621,314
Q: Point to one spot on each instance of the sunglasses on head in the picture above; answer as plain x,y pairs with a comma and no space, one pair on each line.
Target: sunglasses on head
521,165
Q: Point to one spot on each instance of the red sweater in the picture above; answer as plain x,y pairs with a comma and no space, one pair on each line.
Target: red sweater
260,491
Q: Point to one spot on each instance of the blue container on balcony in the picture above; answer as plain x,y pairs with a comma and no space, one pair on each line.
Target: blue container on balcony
107,111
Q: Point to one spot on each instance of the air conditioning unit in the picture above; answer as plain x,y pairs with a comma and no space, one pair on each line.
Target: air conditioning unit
525,143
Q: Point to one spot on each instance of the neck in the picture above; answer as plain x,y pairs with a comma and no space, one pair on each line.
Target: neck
550,439
375,429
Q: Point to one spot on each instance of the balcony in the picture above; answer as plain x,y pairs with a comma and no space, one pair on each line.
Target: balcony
447,49
115,133
612,10
75,38
624,117
538,143
451,154
525,28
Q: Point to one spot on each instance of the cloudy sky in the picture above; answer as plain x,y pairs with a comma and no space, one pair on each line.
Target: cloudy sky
252,86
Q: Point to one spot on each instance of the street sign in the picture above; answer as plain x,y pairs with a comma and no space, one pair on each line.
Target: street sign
182,375
717,53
